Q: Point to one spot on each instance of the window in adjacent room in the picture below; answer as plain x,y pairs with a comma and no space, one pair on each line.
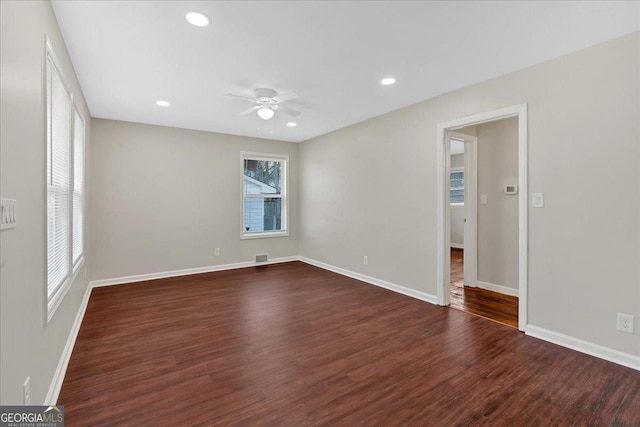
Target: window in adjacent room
264,195
456,195
65,194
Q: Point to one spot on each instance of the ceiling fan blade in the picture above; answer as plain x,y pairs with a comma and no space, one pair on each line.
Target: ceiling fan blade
244,98
289,111
249,111
285,96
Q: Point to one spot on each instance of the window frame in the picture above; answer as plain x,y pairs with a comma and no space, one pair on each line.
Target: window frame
451,171
57,295
284,159
79,261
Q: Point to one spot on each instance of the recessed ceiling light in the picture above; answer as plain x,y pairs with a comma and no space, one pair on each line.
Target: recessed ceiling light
163,103
292,124
197,19
388,81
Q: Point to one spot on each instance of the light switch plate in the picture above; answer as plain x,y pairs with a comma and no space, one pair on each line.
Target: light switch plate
537,200
483,199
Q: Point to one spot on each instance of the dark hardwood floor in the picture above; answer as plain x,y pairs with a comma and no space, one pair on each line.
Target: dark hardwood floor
295,345
481,302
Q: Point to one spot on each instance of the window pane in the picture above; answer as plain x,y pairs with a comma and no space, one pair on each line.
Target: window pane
262,214
58,181
262,177
457,179
457,196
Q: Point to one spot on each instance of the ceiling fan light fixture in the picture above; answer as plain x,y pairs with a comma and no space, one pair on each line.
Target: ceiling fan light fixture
197,19
265,113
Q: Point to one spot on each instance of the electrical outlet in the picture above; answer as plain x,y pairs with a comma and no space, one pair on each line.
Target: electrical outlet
216,252
365,260
625,323
26,392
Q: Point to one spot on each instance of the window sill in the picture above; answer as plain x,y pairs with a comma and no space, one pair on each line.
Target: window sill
457,205
264,234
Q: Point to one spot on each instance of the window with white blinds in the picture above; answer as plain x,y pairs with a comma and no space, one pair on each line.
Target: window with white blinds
65,195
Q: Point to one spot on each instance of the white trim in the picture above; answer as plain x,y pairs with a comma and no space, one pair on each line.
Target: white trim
497,288
443,226
185,272
470,230
373,281
61,369
615,356
457,245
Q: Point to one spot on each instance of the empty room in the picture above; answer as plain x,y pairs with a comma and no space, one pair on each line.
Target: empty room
296,213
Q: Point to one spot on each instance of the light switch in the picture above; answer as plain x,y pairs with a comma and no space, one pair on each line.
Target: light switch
537,200
483,199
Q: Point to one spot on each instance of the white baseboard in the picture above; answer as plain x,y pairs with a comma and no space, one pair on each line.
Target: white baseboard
457,245
615,356
61,369
373,281
498,288
185,272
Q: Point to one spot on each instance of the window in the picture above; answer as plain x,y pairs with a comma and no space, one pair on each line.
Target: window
456,190
264,195
65,195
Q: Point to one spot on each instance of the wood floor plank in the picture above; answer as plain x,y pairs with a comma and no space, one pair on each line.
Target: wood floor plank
292,344
481,302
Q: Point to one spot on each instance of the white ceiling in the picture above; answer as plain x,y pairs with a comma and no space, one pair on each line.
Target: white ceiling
333,54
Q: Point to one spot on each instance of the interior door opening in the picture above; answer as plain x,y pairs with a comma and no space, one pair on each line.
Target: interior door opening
483,216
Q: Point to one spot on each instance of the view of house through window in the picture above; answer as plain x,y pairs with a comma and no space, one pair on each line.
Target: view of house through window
264,194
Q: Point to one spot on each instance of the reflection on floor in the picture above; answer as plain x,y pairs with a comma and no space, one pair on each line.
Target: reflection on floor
488,304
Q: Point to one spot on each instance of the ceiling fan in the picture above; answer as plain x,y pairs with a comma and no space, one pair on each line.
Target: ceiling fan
268,101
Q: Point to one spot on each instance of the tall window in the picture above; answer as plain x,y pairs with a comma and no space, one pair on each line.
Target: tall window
264,195
65,196
456,195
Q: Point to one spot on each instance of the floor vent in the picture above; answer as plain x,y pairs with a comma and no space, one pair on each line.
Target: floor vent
262,257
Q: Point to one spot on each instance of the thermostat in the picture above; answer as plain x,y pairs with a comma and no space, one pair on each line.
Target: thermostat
510,189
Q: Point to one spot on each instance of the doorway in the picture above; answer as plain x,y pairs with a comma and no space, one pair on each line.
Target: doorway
499,292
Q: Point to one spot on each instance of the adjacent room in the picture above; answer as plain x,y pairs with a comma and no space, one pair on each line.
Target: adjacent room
320,213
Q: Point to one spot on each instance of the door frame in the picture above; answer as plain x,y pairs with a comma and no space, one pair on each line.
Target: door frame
470,227
443,208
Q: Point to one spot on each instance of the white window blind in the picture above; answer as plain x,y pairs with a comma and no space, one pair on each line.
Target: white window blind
78,188
58,181
65,186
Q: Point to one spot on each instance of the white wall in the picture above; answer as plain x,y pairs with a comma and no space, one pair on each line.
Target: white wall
583,246
498,219
29,346
165,198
